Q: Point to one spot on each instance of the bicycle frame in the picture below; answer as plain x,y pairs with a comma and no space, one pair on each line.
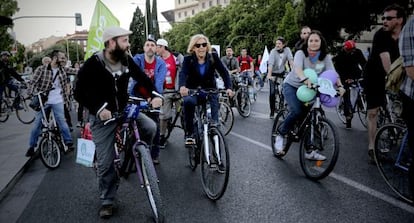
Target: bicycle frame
398,162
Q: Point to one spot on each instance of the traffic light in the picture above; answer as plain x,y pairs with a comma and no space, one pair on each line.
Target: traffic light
78,19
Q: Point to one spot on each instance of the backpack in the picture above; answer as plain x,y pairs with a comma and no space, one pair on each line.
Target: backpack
395,76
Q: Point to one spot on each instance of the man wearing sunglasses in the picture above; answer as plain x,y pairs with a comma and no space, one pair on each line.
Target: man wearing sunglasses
384,52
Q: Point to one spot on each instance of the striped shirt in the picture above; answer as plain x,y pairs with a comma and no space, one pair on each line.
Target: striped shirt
406,45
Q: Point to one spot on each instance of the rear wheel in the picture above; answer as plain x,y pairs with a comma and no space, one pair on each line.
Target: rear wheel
49,152
4,111
215,176
150,180
340,110
323,140
362,110
25,114
226,118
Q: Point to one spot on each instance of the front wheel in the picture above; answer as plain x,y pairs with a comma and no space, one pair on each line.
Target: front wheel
150,181
362,110
243,103
320,138
226,118
280,117
50,152
4,111
340,110
24,113
215,168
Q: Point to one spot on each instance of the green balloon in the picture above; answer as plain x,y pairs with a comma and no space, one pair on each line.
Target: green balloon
311,74
305,94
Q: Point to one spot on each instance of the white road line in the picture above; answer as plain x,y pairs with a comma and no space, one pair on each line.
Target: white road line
391,200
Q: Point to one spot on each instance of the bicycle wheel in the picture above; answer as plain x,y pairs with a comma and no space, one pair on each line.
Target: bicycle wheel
280,117
393,160
49,152
326,142
340,110
226,118
25,114
215,176
4,111
150,180
362,110
243,104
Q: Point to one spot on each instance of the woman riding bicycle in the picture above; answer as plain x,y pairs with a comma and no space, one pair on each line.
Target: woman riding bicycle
198,70
314,55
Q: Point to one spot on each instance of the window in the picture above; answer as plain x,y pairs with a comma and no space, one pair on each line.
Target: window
192,12
218,2
210,3
179,1
179,15
185,13
203,5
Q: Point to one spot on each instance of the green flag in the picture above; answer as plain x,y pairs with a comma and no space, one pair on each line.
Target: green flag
101,18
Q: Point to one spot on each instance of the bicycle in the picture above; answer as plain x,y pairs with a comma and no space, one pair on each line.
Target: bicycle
20,105
210,149
314,132
226,115
393,159
280,103
131,152
177,102
391,111
241,98
358,103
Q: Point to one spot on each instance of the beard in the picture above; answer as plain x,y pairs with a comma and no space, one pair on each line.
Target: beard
119,54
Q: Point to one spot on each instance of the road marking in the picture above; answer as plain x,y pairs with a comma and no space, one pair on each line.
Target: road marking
391,200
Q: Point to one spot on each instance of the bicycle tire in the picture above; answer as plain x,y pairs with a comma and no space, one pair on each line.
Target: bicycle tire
25,115
244,104
280,117
214,179
193,156
50,152
362,110
388,141
150,180
340,110
326,141
4,115
226,117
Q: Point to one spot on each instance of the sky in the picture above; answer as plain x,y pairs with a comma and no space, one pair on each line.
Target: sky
30,30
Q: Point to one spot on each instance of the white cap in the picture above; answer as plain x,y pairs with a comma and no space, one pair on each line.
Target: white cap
162,42
114,31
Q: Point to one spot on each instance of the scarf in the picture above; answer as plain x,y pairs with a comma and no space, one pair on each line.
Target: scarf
314,55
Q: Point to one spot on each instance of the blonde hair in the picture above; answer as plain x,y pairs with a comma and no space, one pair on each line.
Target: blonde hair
194,40
46,59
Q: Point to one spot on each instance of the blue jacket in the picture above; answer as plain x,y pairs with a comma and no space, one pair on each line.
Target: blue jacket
159,73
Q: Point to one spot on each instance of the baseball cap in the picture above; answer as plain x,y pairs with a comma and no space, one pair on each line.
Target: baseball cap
349,45
114,31
162,42
5,53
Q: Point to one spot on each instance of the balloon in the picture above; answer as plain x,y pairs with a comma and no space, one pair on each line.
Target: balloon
305,94
329,101
311,74
330,74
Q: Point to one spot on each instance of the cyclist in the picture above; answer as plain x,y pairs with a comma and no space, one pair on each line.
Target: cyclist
246,65
199,71
314,54
6,74
349,63
104,79
304,33
276,68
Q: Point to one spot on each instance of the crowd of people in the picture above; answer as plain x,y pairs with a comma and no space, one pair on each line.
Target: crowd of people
111,75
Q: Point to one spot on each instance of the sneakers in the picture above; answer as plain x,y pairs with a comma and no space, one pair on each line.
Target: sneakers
314,155
348,124
272,115
162,142
79,124
280,144
155,161
106,211
189,140
30,152
70,147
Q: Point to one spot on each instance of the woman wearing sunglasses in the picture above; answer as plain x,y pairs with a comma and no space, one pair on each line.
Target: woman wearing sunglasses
198,71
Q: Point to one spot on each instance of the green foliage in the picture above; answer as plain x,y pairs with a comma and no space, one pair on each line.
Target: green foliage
137,26
8,8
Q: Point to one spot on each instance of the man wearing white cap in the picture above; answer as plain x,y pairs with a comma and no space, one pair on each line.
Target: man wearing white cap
103,79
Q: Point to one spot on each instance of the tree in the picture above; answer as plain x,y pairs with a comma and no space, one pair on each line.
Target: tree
154,20
137,26
8,8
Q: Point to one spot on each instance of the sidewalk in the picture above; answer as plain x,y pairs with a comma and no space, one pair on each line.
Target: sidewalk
14,140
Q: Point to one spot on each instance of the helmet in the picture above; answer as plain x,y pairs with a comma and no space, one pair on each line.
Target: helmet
349,45
5,53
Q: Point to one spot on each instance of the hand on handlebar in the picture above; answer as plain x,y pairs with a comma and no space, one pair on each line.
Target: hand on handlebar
105,114
183,91
341,91
230,92
156,102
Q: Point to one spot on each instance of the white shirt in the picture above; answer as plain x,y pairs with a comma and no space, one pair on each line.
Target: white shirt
55,96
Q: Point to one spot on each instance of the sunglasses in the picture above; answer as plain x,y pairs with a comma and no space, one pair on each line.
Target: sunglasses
388,18
198,45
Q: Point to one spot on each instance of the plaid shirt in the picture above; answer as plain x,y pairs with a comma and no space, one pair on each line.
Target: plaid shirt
43,77
406,45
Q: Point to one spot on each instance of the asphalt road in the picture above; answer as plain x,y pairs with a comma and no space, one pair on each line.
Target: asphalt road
261,188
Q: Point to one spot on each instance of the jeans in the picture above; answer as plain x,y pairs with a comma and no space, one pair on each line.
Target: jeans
155,148
189,109
296,109
104,139
348,110
59,114
258,74
9,85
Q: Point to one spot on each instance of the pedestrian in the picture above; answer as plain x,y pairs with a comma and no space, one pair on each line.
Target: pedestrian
406,46
304,33
384,52
103,78
199,71
154,67
349,63
169,87
313,55
51,78
7,73
279,57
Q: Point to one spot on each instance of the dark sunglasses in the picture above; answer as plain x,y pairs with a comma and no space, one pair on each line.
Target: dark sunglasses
388,18
198,45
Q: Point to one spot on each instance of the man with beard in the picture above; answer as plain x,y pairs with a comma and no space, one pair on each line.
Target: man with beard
384,52
103,79
154,67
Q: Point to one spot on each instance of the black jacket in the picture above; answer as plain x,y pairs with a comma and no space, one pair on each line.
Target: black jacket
96,85
6,72
191,78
